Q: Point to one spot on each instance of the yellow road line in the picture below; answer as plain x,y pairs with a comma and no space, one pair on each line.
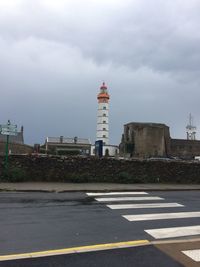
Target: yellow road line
74,250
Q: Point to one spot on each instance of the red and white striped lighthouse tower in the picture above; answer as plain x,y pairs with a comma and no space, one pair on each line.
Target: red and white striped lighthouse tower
102,115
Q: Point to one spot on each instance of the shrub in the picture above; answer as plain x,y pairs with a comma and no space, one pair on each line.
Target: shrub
13,175
77,178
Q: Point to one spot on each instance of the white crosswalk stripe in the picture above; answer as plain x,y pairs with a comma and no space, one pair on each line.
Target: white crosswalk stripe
174,232
144,206
127,199
116,193
193,254
161,216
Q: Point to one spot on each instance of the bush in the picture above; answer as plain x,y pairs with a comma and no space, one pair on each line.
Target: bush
68,152
13,175
77,178
125,177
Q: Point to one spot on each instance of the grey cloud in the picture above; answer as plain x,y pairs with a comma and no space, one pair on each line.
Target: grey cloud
161,35
54,56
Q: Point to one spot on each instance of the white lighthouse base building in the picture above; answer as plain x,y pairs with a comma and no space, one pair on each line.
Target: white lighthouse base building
108,150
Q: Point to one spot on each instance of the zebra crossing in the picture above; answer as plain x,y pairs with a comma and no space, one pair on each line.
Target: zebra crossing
127,199
144,206
152,203
149,202
174,232
161,216
194,254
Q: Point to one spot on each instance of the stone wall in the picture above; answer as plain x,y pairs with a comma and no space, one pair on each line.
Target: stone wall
15,148
91,169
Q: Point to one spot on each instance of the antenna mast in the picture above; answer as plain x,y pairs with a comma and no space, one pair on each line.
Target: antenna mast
191,129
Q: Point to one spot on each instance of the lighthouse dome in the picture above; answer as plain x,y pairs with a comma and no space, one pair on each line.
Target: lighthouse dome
103,86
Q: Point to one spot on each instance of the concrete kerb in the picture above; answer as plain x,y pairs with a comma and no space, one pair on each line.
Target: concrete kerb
64,188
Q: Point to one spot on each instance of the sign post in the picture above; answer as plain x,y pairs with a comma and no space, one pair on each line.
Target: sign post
6,161
8,129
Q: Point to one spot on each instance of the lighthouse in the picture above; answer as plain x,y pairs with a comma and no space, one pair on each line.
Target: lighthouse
102,115
102,133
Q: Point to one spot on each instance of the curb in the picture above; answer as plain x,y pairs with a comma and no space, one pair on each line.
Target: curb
82,249
95,190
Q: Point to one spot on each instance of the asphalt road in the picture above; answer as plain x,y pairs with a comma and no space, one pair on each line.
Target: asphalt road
138,256
46,221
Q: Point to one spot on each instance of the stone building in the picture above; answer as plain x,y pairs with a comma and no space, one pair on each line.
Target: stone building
146,140
186,149
17,139
16,144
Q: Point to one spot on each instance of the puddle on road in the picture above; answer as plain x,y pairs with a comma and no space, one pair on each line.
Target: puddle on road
28,200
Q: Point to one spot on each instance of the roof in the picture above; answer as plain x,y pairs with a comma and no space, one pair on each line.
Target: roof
67,140
103,86
152,124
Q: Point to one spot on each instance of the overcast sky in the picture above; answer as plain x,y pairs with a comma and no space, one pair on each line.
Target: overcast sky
54,55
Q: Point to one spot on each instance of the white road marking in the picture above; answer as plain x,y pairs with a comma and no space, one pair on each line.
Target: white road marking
116,193
144,206
161,216
127,199
174,232
193,254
